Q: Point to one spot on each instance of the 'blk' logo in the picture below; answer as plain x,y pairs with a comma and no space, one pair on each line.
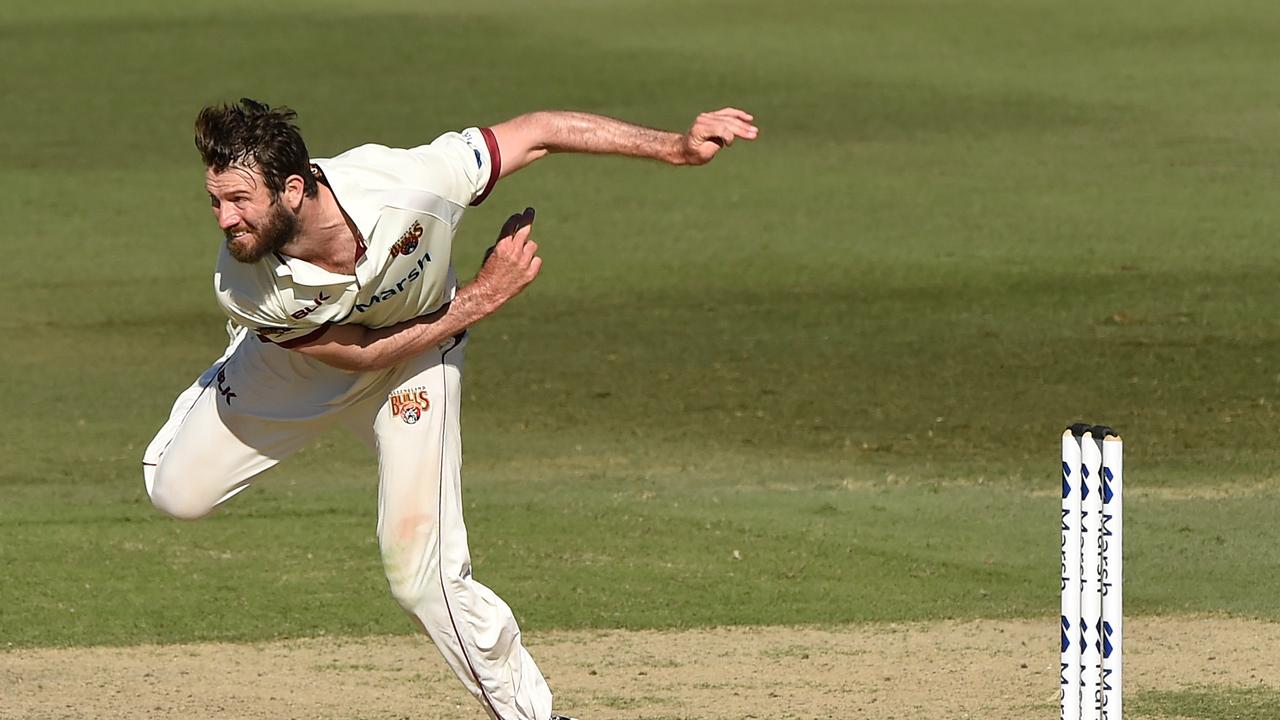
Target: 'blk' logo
223,387
315,304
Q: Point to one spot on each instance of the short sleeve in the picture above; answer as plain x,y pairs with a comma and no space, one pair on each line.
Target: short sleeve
470,159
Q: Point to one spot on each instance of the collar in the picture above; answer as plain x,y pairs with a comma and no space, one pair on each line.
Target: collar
355,202
303,272
352,198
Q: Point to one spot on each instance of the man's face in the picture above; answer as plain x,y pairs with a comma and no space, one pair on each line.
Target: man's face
254,222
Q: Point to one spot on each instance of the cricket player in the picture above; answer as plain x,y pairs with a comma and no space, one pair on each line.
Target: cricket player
345,311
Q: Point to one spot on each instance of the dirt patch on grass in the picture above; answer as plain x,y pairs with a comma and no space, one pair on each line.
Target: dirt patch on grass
992,670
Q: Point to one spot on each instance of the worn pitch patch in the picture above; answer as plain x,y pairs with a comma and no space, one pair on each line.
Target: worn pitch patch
993,670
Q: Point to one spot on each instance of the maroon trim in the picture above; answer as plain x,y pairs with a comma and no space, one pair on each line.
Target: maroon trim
360,247
298,341
495,159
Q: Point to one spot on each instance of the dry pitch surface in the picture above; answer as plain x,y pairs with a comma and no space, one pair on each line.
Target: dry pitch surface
992,670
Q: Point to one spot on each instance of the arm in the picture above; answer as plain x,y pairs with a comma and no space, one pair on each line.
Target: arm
512,265
526,138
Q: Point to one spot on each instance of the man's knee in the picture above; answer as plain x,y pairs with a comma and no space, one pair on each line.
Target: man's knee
421,596
410,576
412,568
417,585
174,498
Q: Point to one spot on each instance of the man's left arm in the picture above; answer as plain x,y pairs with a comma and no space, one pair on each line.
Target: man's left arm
528,137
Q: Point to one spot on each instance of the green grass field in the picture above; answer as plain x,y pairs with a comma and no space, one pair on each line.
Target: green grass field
845,351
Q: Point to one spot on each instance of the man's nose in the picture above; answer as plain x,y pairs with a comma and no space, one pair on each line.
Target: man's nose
227,216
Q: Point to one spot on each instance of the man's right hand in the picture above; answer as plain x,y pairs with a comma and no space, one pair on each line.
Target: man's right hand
512,262
713,131
510,265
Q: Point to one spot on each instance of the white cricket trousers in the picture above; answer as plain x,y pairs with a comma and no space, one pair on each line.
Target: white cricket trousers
259,403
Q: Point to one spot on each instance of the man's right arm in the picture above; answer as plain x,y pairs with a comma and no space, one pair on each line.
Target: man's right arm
511,266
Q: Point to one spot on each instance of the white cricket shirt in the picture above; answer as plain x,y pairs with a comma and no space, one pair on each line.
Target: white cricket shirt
406,203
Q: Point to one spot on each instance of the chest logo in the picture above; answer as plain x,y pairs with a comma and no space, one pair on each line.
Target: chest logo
389,291
224,387
408,242
315,305
409,405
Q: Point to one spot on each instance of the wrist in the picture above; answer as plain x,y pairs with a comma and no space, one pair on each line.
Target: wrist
479,297
674,153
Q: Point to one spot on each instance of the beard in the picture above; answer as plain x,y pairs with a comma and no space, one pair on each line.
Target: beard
274,233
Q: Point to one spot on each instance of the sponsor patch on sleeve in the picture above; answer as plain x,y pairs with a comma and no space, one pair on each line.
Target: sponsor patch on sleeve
475,140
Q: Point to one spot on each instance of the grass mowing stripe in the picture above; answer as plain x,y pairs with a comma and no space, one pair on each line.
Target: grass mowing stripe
1209,702
292,558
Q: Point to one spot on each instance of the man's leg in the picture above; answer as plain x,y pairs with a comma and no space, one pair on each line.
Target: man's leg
215,440
424,541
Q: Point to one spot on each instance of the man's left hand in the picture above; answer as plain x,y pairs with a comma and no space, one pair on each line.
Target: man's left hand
712,131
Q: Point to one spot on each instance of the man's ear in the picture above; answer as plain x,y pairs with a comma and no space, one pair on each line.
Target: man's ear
294,188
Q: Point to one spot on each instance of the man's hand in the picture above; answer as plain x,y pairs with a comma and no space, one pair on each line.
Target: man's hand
511,263
714,130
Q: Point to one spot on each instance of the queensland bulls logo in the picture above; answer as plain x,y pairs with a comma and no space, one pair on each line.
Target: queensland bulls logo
408,242
409,405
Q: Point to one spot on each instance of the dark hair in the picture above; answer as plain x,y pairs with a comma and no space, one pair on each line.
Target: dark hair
253,135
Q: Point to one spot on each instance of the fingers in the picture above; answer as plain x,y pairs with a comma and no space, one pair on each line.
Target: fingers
735,113
528,252
733,127
515,222
516,262
513,261
729,123
509,227
523,248
524,229
515,231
